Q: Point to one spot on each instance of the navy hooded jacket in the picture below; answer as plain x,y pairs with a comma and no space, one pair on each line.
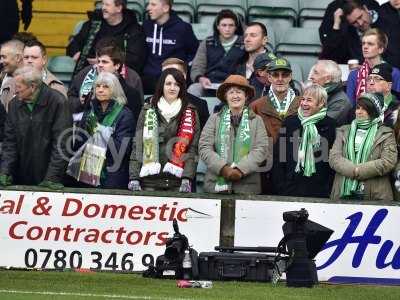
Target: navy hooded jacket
178,40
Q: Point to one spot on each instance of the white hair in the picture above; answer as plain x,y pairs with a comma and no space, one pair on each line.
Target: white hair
331,68
316,91
110,80
29,75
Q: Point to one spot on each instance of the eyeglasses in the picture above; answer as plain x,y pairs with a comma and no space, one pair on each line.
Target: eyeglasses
374,79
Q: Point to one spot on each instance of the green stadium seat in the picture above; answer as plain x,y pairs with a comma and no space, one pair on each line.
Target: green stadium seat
297,72
301,46
186,10
311,12
202,30
62,67
279,14
208,9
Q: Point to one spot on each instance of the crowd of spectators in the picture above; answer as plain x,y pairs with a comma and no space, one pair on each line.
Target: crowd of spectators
268,135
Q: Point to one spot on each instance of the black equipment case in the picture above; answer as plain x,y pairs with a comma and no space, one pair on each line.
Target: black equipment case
236,266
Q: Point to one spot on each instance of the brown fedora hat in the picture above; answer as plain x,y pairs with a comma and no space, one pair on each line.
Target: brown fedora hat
235,80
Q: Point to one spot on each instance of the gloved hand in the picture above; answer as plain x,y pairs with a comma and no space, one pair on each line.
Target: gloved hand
397,185
226,172
51,185
186,186
26,13
396,175
134,185
235,175
5,180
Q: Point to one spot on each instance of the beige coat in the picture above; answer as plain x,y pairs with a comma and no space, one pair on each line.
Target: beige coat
375,173
52,81
249,165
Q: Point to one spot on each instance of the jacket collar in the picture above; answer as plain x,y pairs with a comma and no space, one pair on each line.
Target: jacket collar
268,109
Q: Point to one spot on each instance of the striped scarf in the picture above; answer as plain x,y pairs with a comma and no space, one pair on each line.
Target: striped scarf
310,141
362,74
241,144
351,185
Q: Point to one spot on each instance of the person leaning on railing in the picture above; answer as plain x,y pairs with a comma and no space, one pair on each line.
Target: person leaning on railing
234,142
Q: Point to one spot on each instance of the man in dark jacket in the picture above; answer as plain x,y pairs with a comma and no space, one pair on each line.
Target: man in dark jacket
166,36
327,74
34,146
380,81
343,24
109,59
114,20
301,155
389,14
9,18
217,55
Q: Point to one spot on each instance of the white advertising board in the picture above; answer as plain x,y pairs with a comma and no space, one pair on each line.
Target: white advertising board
364,247
100,232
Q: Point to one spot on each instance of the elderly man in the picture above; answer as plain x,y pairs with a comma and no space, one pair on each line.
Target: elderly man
35,55
301,166
11,58
280,103
34,146
114,20
380,81
281,100
327,74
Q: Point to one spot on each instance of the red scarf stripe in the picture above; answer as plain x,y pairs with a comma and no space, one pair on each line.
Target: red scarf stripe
362,75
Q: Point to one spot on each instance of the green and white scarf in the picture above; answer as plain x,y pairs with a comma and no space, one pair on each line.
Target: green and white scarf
87,84
310,141
241,144
281,106
151,164
361,156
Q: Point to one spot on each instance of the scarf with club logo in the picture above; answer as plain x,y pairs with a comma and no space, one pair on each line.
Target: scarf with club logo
281,106
310,141
241,144
185,134
364,150
362,75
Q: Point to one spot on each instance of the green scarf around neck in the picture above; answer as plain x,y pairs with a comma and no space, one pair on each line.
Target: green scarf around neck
350,185
241,144
151,164
310,141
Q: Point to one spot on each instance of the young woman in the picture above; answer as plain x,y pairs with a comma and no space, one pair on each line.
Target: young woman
364,154
234,142
165,146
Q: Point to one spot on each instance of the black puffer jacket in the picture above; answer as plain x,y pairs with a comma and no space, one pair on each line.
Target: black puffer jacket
33,150
128,30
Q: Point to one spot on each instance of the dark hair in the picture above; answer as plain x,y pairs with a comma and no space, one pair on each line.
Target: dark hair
369,107
109,46
351,5
228,14
159,92
36,43
123,3
24,36
261,25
